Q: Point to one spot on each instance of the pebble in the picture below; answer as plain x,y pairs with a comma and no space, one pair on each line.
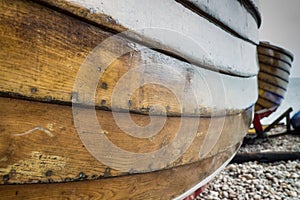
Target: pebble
259,181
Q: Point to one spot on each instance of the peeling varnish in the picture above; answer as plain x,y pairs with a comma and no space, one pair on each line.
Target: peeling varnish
34,167
36,128
50,126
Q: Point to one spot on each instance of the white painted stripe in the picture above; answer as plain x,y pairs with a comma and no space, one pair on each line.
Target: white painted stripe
213,91
232,14
219,49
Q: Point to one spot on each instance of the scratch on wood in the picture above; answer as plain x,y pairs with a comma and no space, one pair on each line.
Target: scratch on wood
35,129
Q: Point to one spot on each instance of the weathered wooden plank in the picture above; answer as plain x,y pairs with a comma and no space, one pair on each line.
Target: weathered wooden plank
50,141
42,54
165,184
190,36
42,50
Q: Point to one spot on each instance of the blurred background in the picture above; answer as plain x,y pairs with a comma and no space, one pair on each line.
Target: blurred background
281,27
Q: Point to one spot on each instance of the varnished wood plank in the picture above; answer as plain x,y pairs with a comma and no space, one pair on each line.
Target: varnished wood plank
59,45
42,52
165,184
56,147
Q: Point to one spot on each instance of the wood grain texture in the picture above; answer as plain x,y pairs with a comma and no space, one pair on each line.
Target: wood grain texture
165,184
56,146
44,50
41,52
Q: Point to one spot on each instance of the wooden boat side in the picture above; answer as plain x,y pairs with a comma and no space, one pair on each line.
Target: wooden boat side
270,96
274,63
48,71
272,87
263,103
274,54
225,61
39,137
273,79
278,49
51,143
276,71
171,184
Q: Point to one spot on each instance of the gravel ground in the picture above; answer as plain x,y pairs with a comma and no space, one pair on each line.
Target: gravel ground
254,180
279,143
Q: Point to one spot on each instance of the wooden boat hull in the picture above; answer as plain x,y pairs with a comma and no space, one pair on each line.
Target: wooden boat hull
171,182
69,104
273,77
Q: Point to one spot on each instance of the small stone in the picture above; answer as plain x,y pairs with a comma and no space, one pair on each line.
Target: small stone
275,180
216,186
256,197
277,197
292,193
248,176
214,194
225,187
225,194
295,175
231,167
269,176
232,195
